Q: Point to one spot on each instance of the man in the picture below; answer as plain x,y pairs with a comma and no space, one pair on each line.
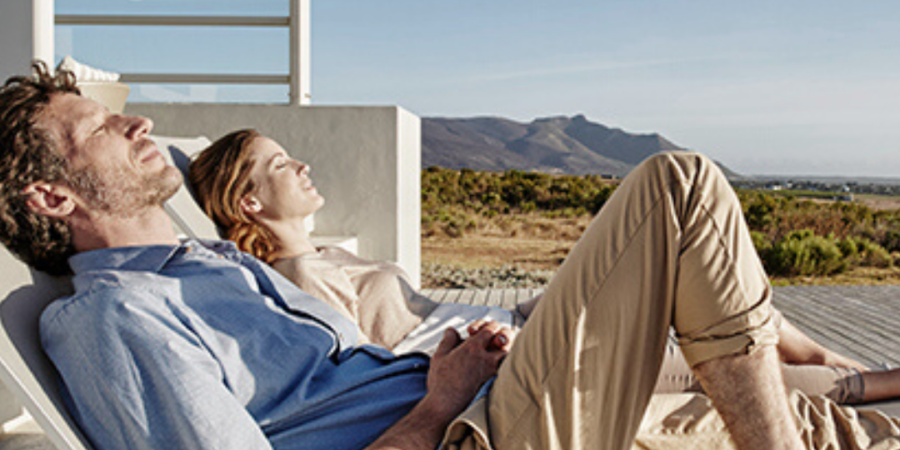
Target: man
194,345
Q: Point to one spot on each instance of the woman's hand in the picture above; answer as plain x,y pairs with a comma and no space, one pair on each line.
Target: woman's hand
503,337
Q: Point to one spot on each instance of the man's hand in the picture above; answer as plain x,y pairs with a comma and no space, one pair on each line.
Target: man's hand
459,367
458,370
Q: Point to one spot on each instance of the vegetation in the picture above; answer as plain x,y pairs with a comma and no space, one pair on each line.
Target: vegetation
795,237
455,201
802,237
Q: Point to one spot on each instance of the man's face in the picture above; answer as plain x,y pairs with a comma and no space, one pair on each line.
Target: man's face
115,168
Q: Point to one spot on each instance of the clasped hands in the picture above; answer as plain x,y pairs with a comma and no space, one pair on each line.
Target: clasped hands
460,366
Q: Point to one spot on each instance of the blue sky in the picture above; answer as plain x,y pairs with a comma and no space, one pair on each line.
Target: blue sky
767,87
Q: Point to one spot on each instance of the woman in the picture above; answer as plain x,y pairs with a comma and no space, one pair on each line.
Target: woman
259,197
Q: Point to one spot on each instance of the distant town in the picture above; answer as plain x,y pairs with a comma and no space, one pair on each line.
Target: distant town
840,189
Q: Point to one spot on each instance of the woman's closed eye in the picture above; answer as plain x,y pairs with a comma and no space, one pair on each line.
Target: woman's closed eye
280,163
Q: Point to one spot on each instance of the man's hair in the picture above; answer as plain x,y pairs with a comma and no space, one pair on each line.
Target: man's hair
220,177
28,154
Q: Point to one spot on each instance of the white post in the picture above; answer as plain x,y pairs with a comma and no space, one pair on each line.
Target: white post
26,34
299,48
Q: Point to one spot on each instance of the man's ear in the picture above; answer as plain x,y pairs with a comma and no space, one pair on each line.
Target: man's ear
51,200
250,205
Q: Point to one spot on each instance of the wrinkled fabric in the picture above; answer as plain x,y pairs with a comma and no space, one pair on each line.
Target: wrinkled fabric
689,421
196,347
374,294
841,384
670,247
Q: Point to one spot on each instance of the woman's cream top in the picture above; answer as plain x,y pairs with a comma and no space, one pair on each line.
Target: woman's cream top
374,294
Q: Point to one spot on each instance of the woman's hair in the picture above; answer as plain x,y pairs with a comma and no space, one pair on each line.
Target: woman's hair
220,177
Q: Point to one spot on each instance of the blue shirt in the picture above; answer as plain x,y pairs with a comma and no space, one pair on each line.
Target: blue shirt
200,346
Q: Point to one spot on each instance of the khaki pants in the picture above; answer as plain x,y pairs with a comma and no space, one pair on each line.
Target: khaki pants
840,384
670,247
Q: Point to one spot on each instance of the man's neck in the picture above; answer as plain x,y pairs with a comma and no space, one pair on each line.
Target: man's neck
149,227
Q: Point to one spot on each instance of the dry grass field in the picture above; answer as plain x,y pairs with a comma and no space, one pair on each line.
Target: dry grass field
879,202
527,241
533,242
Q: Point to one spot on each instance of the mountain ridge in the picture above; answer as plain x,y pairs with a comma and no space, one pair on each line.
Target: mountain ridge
555,144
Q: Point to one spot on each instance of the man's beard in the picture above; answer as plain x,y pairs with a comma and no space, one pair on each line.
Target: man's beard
124,194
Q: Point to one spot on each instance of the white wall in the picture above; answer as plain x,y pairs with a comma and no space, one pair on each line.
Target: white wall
26,33
365,160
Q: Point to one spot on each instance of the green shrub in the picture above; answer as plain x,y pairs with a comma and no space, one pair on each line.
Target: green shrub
761,243
891,241
873,255
849,249
512,191
804,253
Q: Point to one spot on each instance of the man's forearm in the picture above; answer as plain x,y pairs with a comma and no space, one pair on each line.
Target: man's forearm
749,394
422,429
458,369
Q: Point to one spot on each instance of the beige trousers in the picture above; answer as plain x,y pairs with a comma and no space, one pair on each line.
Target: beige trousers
670,247
842,385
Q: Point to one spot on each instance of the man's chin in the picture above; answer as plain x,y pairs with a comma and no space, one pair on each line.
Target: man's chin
166,184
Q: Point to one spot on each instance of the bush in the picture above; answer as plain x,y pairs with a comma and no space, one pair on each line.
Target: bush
451,197
873,255
804,253
849,249
891,241
761,243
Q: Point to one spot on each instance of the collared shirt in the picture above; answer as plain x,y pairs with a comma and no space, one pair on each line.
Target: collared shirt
200,346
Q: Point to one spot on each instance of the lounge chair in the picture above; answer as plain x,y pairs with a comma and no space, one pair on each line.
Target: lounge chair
24,369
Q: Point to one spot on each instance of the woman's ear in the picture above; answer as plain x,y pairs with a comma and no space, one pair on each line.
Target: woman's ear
51,200
250,205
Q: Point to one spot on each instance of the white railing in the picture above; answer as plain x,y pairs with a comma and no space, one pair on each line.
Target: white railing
298,23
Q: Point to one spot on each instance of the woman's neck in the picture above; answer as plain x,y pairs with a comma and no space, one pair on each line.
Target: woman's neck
291,237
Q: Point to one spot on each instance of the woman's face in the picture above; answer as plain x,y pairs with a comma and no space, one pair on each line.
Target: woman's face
283,187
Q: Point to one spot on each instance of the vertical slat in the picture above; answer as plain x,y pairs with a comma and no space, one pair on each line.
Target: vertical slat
299,48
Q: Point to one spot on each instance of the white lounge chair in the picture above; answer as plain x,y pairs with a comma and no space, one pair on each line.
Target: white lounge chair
24,369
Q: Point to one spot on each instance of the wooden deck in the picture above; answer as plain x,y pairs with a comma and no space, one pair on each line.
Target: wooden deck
862,322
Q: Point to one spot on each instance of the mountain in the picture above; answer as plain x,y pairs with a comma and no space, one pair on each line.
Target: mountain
554,145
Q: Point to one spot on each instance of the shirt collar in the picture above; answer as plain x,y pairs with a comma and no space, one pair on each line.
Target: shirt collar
149,258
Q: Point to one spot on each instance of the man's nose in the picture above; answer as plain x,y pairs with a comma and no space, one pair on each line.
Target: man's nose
138,127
